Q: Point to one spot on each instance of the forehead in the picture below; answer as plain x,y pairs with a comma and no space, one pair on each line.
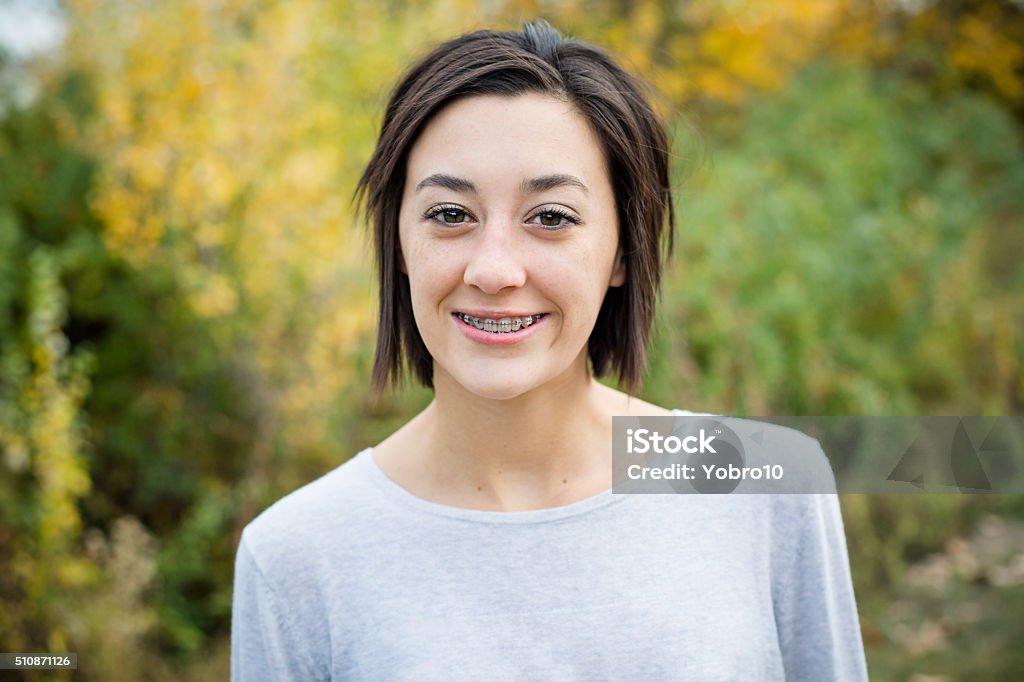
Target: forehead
495,139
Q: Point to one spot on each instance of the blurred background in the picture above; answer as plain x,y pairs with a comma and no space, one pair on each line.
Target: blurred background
187,316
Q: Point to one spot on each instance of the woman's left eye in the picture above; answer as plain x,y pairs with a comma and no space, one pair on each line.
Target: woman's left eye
552,219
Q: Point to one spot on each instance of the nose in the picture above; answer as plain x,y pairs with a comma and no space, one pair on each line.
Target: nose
495,262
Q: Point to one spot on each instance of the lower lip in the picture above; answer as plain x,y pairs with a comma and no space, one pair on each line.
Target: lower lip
492,339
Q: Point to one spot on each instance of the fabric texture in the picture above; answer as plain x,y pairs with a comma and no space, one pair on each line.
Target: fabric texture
353,578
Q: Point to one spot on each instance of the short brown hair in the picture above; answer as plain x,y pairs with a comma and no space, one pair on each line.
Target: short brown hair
536,60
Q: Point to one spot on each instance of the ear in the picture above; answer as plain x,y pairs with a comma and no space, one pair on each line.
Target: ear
618,277
401,263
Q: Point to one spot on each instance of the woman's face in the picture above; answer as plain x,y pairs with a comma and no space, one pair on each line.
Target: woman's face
509,237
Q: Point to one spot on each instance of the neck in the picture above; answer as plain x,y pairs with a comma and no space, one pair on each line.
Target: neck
544,448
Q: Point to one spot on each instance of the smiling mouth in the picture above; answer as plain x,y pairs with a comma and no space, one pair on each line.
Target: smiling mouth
505,325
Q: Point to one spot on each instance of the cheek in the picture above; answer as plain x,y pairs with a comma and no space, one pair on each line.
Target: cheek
576,279
591,268
432,268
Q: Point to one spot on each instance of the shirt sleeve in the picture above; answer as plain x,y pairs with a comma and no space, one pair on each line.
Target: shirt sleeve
266,645
815,610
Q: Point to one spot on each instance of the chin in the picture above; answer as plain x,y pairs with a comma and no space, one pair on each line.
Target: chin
497,385
498,390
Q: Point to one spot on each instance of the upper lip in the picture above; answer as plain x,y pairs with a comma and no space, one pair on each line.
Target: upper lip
496,314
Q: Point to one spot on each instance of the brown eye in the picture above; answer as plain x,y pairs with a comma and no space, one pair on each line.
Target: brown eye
453,216
550,219
554,219
448,214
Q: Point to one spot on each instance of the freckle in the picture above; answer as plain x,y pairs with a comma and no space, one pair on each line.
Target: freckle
478,488
564,480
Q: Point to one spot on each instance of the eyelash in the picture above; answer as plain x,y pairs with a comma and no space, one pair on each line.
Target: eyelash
432,213
561,213
438,210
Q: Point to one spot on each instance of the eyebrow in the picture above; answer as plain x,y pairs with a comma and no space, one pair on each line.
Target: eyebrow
531,186
546,182
447,182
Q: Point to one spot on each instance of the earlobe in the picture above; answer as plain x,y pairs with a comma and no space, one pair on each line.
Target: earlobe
618,277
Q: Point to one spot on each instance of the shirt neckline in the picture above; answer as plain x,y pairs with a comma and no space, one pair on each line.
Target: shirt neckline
402,496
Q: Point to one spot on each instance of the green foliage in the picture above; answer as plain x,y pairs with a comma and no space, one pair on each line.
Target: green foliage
43,382
848,254
112,411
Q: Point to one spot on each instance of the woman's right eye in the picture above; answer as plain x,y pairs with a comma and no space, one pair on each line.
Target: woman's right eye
453,216
448,215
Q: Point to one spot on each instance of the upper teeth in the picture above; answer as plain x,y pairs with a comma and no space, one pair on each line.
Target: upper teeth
505,325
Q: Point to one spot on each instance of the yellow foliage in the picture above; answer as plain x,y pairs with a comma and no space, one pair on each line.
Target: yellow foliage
46,442
222,157
981,49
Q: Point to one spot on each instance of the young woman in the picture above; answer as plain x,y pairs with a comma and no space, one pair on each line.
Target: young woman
519,197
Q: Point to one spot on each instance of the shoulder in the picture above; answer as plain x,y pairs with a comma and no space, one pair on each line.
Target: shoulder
798,498
286,568
779,459
319,518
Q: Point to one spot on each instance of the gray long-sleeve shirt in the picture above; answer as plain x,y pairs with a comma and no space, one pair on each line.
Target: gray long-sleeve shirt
353,578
